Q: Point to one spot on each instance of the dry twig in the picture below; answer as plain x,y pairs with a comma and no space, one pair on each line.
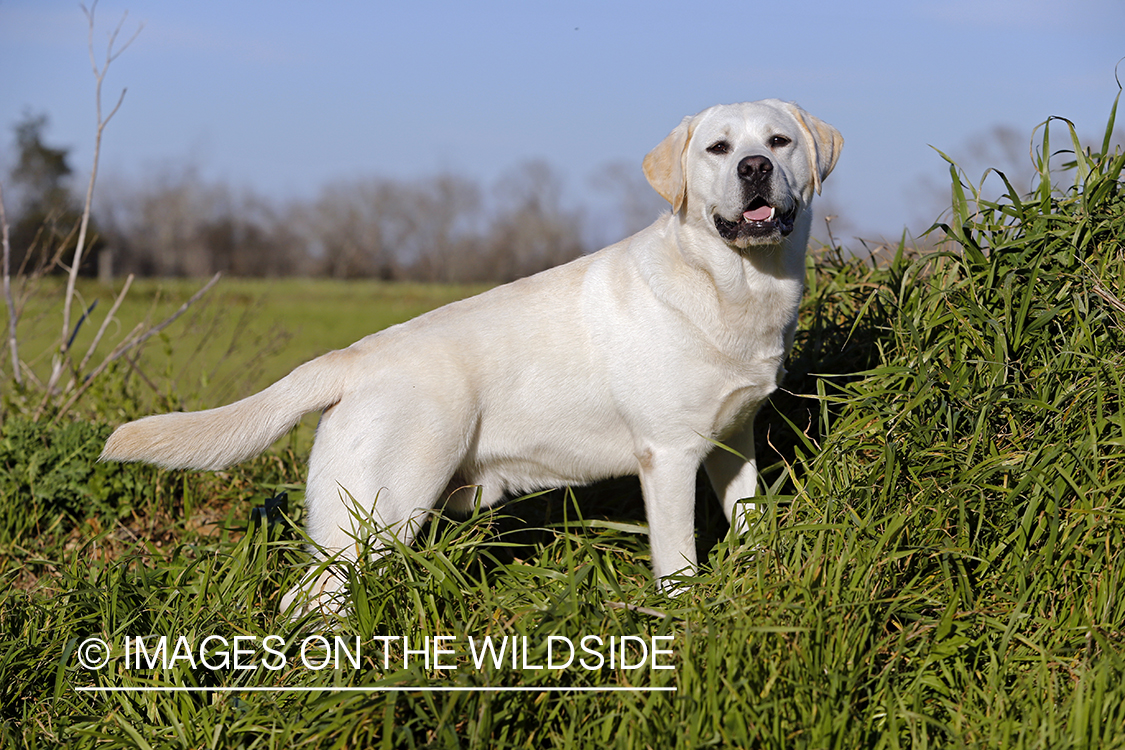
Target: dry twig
63,356
132,343
4,238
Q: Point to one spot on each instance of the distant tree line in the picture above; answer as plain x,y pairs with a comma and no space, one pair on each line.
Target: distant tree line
440,228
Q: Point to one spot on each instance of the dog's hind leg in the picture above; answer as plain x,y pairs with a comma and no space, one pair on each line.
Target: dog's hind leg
367,488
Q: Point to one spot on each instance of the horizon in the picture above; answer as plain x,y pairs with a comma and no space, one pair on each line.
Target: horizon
285,101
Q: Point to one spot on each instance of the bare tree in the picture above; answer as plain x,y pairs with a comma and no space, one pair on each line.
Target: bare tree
395,229
347,229
631,204
446,223
175,224
260,240
531,231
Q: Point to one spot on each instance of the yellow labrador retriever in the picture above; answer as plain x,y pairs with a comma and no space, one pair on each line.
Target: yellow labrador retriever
631,360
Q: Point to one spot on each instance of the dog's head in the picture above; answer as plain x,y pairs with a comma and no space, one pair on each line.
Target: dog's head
748,170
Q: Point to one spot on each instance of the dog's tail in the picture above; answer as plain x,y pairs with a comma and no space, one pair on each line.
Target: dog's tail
217,438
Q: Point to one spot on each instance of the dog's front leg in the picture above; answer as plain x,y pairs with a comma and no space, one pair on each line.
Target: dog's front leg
735,479
668,484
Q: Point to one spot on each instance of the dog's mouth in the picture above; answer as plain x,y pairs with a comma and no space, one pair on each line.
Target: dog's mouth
759,220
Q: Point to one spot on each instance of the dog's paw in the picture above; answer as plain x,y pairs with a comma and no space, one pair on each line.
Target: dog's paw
672,586
324,593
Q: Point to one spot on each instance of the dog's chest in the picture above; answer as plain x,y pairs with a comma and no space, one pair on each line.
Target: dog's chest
745,389
755,348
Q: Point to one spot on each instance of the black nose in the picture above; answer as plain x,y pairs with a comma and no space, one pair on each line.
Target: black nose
754,167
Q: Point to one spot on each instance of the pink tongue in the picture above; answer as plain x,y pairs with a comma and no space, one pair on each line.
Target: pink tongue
758,214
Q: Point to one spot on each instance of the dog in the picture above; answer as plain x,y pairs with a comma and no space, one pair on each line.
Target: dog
634,360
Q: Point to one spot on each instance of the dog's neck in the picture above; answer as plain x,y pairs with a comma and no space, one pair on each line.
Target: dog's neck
741,274
746,298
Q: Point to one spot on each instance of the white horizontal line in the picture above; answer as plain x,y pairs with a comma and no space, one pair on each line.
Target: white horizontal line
390,689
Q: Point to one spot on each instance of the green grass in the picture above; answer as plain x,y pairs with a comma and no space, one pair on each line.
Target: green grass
940,563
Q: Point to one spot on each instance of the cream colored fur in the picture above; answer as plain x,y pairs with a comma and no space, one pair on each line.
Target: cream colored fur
631,360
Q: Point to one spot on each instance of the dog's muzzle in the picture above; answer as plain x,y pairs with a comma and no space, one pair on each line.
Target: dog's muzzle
760,220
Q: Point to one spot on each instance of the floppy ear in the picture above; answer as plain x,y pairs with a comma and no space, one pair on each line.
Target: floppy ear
822,142
664,165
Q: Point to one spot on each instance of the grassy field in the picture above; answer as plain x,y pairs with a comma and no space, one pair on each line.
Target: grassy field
241,336
940,563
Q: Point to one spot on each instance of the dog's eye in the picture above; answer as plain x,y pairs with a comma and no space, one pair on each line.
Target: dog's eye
779,141
719,147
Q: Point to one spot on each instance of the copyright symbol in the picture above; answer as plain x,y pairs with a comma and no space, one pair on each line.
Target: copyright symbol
93,653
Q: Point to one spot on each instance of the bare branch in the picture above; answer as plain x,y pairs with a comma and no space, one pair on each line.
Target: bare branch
63,356
132,343
110,55
12,313
106,322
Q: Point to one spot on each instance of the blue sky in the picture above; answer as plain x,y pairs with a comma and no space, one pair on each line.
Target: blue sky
285,96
